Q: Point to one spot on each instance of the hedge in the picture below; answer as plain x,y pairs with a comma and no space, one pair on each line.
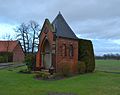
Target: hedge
86,54
6,57
30,60
81,67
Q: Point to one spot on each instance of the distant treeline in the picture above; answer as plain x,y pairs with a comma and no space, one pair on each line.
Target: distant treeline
109,56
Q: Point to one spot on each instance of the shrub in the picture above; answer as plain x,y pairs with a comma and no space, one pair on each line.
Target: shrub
25,71
64,69
30,61
6,57
2,59
81,67
43,75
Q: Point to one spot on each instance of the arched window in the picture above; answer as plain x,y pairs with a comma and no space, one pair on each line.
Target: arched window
64,52
71,51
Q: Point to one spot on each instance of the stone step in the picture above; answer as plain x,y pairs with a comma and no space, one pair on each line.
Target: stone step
44,70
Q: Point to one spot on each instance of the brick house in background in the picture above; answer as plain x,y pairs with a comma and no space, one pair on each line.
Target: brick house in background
13,47
57,45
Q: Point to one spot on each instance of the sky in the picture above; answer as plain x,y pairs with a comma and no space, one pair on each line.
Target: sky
97,20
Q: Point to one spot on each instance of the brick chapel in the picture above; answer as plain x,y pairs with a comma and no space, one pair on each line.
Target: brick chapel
57,44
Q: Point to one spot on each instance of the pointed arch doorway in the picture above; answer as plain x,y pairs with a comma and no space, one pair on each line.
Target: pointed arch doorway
46,55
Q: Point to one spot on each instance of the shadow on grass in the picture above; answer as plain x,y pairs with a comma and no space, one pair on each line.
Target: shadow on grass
56,93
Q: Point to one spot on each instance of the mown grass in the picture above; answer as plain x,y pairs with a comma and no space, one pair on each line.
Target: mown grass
108,65
97,83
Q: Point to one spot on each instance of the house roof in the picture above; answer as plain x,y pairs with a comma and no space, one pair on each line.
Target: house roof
8,46
61,27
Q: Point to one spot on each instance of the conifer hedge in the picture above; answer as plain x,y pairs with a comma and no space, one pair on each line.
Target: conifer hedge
86,54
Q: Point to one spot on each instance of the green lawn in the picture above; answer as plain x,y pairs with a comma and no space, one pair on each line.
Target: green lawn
108,65
97,83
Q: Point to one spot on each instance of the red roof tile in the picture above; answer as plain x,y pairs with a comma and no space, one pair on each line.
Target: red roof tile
6,46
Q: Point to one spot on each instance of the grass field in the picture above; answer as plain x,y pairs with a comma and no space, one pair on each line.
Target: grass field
97,83
108,65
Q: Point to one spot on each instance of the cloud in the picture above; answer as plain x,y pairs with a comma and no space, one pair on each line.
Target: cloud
101,46
99,29
6,29
87,9
91,19
22,10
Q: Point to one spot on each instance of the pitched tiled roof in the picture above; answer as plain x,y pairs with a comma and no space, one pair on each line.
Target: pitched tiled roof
7,46
61,27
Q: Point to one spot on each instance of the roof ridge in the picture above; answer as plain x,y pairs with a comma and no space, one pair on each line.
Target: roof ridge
11,44
62,28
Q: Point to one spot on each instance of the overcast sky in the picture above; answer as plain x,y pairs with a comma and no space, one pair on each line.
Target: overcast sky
98,20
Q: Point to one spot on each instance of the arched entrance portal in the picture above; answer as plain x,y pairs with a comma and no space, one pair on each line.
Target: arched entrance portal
46,55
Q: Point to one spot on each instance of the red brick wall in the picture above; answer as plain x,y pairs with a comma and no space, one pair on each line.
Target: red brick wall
38,60
57,59
67,59
43,36
18,55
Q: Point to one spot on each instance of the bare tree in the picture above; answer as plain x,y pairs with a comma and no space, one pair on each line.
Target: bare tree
27,34
34,30
8,38
22,31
